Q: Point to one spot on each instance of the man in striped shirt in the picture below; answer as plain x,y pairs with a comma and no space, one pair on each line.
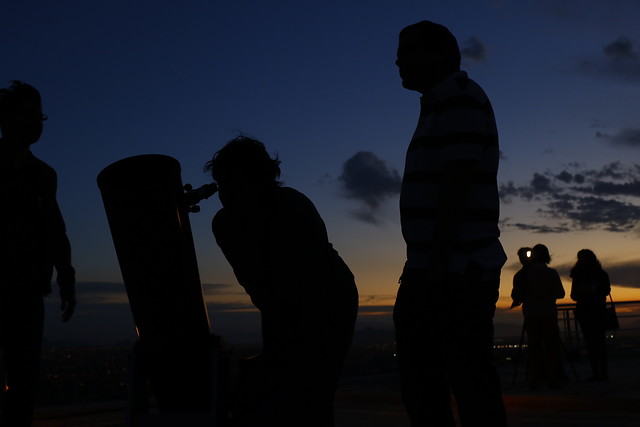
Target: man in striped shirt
449,211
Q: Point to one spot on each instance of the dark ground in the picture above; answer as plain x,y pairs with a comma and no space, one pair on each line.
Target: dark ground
369,396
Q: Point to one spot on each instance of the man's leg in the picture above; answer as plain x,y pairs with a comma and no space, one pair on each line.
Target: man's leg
22,343
424,384
469,336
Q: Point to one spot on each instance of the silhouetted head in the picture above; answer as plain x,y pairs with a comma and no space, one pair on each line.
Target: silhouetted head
587,259
524,254
427,54
244,172
540,254
20,115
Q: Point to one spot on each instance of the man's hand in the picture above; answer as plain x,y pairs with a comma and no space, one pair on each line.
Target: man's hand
67,307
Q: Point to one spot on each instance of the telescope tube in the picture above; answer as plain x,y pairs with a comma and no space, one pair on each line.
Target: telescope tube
144,201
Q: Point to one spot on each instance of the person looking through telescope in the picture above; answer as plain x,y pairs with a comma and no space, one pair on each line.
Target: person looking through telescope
277,245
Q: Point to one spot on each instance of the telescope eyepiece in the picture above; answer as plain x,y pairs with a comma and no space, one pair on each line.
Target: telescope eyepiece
193,197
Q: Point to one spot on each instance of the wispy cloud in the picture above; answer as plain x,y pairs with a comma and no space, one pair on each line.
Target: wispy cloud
377,300
231,312
578,198
218,296
473,49
624,274
618,59
101,293
542,229
368,179
629,137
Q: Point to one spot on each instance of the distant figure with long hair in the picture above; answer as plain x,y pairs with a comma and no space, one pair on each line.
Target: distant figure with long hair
543,288
449,213
589,289
33,242
277,245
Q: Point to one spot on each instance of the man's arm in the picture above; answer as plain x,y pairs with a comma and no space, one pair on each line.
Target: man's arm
60,250
66,274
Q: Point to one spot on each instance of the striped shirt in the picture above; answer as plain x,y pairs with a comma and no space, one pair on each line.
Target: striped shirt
456,124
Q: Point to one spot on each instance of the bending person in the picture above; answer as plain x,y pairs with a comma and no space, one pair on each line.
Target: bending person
277,245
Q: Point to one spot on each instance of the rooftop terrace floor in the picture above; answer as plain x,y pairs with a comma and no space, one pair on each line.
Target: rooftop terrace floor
374,401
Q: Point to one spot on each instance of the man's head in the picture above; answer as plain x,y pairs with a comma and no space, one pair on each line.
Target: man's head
524,254
243,170
540,254
20,114
427,54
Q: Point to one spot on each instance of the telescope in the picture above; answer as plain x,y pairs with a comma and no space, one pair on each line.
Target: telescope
193,197
176,355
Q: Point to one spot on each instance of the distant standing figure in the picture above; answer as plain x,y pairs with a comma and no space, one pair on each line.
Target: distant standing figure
33,241
520,278
449,211
544,287
589,289
277,245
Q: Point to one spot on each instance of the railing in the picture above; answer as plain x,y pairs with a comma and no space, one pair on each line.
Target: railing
570,330
624,338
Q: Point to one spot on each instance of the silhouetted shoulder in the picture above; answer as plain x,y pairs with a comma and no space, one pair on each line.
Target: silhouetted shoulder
469,95
294,207
473,88
293,196
44,173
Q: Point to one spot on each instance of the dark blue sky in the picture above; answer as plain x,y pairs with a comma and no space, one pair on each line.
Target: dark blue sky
316,81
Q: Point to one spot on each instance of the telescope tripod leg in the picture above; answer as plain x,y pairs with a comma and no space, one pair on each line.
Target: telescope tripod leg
518,354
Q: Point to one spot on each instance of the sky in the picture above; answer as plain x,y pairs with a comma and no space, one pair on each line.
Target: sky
317,83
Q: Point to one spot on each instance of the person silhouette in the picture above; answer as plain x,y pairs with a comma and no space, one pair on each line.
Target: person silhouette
449,210
543,288
277,245
589,289
520,278
33,242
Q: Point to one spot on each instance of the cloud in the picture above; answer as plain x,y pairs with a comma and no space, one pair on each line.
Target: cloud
620,50
629,137
103,315
580,199
594,212
473,49
217,288
625,274
100,293
620,274
367,179
377,300
618,59
539,186
541,229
